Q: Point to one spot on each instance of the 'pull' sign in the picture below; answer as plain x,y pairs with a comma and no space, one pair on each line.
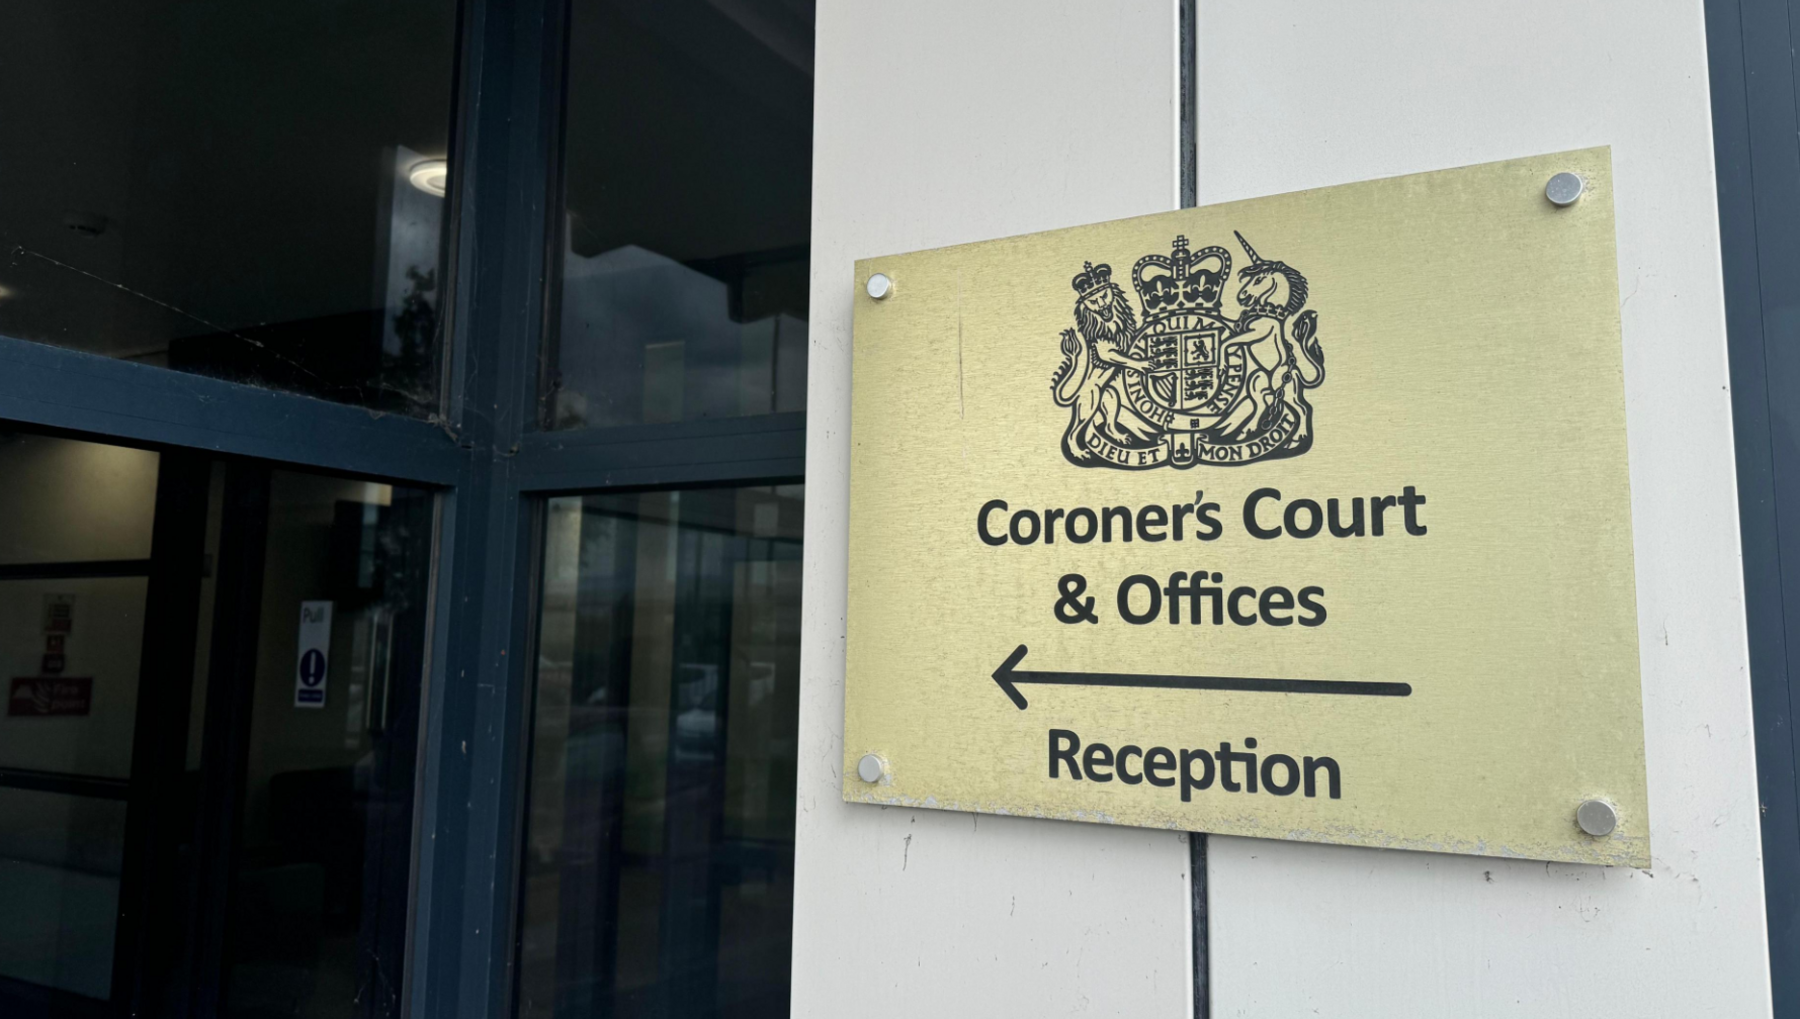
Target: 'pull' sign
314,654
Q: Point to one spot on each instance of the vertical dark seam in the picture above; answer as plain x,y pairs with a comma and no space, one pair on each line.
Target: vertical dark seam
1190,146
1190,197
1202,954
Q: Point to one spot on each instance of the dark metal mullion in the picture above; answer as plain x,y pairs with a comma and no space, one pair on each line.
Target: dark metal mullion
748,426
471,788
53,387
739,473
1758,173
425,747
741,451
476,737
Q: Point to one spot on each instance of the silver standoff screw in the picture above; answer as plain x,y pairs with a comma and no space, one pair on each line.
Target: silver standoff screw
1596,817
1564,189
880,286
870,769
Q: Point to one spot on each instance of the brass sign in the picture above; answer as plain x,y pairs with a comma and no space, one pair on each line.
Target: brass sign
1303,517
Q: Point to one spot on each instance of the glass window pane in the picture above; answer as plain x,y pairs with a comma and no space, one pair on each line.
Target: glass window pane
660,838
241,190
687,176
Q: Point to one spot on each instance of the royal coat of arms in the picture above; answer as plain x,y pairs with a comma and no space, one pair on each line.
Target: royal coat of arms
1189,385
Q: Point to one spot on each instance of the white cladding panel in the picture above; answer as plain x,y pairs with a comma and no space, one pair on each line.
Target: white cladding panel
941,122
936,123
1303,93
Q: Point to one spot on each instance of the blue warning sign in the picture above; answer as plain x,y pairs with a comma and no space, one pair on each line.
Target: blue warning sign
315,645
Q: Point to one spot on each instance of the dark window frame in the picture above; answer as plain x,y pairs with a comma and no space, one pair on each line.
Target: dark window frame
486,457
1756,155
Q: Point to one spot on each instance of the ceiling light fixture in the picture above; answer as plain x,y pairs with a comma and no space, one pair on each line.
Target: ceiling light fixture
431,176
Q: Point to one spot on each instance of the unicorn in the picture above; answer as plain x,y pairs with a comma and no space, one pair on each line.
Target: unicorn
1285,359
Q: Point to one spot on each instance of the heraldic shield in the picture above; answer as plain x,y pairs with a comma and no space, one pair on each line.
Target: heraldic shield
1189,385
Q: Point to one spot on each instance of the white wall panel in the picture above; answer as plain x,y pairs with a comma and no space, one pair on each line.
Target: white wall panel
1303,93
940,122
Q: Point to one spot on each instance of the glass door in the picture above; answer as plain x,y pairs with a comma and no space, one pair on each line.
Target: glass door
310,748
208,750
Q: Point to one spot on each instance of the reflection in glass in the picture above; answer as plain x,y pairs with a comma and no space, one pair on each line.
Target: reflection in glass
687,182
188,835
319,883
231,189
659,852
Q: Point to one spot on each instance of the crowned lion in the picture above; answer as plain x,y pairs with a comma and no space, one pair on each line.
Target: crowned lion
1090,380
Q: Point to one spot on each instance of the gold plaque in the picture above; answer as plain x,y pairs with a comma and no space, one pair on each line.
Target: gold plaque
1303,517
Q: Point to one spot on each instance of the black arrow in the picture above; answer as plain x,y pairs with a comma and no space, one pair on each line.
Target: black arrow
1010,678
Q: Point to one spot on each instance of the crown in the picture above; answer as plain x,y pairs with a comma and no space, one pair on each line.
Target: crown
1182,280
1091,278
